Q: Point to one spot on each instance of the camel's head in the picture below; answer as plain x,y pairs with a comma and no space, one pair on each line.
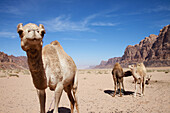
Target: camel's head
140,64
148,78
131,66
31,36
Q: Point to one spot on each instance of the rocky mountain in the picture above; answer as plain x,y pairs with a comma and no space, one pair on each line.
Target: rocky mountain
154,51
108,64
12,62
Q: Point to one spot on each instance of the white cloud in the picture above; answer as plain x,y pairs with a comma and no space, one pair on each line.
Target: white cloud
82,39
10,9
155,9
63,23
93,40
70,39
104,24
158,9
8,34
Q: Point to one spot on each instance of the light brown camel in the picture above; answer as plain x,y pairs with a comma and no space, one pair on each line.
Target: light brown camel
139,74
118,75
50,67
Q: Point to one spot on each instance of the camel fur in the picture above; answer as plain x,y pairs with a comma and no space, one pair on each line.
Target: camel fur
49,66
118,75
139,75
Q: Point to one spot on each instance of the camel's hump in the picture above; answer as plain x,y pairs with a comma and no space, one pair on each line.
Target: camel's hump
55,42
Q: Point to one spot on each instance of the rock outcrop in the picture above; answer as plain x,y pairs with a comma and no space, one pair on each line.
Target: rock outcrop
159,54
154,51
12,62
108,64
138,52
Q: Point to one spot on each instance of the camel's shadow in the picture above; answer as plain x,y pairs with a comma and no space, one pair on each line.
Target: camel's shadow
61,110
111,92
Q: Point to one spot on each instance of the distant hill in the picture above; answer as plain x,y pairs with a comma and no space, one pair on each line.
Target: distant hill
12,62
154,51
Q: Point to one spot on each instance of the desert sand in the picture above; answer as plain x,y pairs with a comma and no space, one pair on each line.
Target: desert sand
18,95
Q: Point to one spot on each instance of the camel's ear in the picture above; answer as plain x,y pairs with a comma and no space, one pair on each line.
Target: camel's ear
20,29
41,26
42,29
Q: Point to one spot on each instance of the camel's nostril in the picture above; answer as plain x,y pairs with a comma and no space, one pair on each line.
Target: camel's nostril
35,39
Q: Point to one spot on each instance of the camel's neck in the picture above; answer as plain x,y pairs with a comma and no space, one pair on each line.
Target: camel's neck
36,68
35,60
135,75
133,71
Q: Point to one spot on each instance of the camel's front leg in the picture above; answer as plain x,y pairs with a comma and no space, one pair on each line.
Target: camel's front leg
120,88
115,86
58,92
143,86
135,88
42,99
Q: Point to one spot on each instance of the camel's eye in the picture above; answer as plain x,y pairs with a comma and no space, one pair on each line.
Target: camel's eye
20,32
42,33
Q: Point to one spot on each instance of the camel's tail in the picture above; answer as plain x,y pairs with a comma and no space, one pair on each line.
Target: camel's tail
75,84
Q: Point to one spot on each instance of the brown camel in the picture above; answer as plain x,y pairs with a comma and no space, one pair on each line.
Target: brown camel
49,66
118,75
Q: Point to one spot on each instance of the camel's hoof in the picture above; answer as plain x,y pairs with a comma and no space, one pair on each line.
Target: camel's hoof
113,95
134,96
142,95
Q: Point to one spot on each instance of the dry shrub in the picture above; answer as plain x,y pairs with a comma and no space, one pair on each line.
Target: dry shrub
13,75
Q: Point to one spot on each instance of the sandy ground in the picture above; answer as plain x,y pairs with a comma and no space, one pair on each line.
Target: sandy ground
18,95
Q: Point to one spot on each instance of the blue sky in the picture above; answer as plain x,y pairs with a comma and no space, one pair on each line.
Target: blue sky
88,30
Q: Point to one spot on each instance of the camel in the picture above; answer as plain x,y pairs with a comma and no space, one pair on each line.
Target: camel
139,75
49,66
118,75
129,73
148,78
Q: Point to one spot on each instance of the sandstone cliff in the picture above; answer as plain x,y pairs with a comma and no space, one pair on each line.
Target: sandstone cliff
154,51
12,62
108,64
159,54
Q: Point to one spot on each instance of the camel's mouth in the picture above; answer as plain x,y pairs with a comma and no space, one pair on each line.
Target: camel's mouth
34,41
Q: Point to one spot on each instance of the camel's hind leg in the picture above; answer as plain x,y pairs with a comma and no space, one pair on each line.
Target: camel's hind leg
115,85
120,88
115,88
58,92
72,101
74,89
76,98
123,87
42,99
